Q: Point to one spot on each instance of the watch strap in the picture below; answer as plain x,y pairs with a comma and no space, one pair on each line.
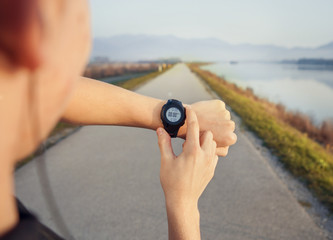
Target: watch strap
172,130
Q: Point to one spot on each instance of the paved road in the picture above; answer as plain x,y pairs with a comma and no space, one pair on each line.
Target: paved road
106,181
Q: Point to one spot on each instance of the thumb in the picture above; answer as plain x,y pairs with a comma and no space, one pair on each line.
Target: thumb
164,143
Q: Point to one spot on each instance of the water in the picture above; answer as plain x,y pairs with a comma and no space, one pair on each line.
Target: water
304,88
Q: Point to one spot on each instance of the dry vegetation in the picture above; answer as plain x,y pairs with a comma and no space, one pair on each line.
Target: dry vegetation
99,70
286,134
323,133
102,70
134,83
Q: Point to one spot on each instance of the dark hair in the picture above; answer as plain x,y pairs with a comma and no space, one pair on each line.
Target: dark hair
15,15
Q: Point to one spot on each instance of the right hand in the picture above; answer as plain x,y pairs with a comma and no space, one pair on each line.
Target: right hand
185,177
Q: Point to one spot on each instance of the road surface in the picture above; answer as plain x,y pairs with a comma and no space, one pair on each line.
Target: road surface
106,182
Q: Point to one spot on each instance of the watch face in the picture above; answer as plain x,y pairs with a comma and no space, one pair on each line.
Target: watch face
173,114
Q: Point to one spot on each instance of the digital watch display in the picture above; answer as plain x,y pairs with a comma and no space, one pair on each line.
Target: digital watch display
173,116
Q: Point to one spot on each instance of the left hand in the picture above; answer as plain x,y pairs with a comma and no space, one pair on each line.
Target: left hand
213,116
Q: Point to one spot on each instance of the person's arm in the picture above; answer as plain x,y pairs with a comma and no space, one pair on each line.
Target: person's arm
185,177
96,102
183,222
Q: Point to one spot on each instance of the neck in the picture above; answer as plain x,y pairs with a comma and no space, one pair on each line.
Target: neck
8,210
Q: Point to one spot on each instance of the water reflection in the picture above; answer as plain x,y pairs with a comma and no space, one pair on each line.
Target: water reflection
315,67
308,89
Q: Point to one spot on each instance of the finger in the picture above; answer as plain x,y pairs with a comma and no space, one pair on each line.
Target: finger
206,139
201,133
227,115
215,160
213,148
231,125
214,164
222,151
233,139
227,139
192,134
164,143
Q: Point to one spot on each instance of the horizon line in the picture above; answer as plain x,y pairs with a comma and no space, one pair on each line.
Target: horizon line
215,38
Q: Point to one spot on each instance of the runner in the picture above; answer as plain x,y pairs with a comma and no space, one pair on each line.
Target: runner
44,46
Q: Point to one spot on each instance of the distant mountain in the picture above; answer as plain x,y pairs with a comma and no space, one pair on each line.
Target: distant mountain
313,61
147,47
327,46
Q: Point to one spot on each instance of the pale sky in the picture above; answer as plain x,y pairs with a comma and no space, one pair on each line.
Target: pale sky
305,23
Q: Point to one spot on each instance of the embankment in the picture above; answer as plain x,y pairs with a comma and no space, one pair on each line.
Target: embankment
305,158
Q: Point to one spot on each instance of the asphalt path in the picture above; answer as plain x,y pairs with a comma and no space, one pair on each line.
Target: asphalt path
106,182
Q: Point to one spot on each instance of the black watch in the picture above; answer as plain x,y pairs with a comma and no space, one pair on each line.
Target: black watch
173,116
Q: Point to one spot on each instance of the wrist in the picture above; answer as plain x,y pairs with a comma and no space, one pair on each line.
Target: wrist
183,221
157,122
181,205
184,213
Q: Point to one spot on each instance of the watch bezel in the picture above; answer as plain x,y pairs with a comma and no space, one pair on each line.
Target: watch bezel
169,105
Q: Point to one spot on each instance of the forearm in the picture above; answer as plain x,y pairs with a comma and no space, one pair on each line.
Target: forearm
96,102
183,223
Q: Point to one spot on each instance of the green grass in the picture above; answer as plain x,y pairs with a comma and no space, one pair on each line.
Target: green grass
62,126
134,83
303,157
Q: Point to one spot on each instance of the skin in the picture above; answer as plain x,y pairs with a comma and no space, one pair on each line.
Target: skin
92,101
40,84
32,89
185,177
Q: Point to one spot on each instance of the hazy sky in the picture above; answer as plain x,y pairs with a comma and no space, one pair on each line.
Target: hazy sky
281,22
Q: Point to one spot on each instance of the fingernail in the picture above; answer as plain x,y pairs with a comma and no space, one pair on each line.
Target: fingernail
188,107
159,131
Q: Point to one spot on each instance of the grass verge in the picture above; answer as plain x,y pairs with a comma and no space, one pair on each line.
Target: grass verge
134,83
303,157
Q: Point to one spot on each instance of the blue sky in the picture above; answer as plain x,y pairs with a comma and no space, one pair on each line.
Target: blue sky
305,23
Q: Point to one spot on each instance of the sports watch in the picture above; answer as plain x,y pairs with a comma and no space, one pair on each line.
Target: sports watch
173,116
